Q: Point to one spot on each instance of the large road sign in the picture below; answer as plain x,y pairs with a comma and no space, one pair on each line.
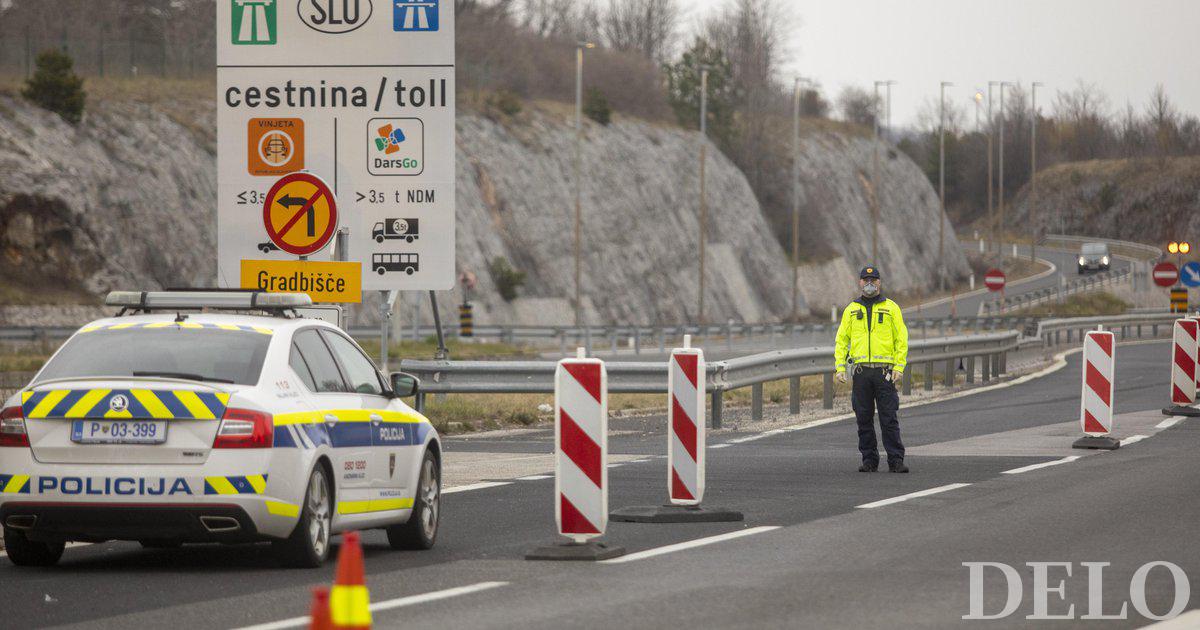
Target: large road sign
994,279
300,214
359,93
1189,274
1165,274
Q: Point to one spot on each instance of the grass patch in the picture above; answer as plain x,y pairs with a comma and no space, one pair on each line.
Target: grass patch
1080,305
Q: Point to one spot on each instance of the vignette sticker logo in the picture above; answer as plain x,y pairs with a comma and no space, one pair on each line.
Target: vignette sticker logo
275,146
396,146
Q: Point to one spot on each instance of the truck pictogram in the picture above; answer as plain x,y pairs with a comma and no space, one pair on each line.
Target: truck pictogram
392,229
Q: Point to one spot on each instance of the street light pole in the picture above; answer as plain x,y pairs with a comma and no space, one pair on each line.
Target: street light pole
1033,171
703,200
875,179
942,186
1000,173
991,139
578,176
796,199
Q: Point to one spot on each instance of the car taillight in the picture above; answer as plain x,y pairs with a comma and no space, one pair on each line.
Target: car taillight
12,428
243,428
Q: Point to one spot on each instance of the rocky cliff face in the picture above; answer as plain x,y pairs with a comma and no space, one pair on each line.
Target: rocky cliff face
1145,200
126,200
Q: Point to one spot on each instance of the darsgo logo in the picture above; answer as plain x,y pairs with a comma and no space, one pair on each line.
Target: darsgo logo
334,16
397,146
253,22
415,15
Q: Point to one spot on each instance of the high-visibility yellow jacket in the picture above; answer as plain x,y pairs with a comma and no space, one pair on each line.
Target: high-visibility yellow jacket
872,331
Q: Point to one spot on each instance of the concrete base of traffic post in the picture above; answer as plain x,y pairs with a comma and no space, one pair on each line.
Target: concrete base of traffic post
1097,442
587,551
1181,410
675,514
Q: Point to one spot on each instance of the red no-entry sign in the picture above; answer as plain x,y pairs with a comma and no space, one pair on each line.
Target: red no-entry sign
1166,274
994,279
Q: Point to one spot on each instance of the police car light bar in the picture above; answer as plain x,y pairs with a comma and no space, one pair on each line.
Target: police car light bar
230,300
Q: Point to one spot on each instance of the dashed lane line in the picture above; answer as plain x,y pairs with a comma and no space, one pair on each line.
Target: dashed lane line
1133,439
913,495
1168,423
1065,460
476,486
400,602
690,544
535,477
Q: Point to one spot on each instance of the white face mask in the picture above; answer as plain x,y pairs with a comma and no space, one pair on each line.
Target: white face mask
870,289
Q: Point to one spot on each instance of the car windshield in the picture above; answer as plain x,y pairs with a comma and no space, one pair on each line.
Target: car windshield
201,354
1095,248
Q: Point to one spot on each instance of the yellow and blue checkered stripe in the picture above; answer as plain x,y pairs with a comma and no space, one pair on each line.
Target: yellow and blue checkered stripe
245,484
308,430
184,325
140,404
14,484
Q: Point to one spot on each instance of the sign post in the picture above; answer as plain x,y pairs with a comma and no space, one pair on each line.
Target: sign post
352,104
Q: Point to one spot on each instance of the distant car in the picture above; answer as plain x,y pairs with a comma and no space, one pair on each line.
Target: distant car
169,427
1094,257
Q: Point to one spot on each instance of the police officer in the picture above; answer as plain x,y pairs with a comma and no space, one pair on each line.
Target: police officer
873,342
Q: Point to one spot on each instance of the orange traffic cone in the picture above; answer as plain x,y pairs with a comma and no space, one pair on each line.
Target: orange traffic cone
320,619
349,601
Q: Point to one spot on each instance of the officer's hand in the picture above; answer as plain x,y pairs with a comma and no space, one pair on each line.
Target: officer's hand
897,375
841,377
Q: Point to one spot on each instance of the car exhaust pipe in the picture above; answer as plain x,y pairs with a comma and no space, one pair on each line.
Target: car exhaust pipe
220,524
21,521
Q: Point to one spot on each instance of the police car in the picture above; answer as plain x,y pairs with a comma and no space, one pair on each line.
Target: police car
185,419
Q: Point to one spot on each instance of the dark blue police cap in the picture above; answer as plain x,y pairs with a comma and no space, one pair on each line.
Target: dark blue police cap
869,272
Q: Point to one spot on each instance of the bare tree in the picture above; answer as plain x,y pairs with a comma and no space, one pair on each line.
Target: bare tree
857,106
648,27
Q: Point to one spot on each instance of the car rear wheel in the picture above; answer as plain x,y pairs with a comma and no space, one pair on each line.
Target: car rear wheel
420,532
308,546
30,553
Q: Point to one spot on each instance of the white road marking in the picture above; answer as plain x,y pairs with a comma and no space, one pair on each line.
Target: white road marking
1168,423
475,486
1189,619
1065,460
300,622
1133,439
534,477
724,445
914,495
699,542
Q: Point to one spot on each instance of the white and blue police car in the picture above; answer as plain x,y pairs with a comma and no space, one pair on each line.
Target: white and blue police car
214,416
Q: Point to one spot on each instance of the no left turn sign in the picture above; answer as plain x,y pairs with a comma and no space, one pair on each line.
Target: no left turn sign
300,214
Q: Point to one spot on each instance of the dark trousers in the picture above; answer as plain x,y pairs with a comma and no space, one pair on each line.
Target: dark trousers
872,390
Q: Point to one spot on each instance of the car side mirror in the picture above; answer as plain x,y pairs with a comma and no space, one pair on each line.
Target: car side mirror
404,384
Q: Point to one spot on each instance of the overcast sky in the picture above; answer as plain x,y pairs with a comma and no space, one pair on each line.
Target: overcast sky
1123,46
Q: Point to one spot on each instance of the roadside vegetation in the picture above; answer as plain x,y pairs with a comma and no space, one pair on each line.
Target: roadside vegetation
1079,305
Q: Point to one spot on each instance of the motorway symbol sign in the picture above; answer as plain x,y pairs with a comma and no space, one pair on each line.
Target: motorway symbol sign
994,279
1190,274
1165,274
300,214
253,22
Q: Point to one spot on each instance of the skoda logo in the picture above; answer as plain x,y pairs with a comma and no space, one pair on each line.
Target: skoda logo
118,403
334,16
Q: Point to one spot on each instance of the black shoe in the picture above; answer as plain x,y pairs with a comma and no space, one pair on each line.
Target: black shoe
869,467
897,467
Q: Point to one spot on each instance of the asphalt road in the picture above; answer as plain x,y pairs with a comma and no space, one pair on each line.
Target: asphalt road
826,563
968,305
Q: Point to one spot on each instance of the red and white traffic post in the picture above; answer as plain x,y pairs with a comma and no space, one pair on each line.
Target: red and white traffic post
1183,369
1096,401
580,461
686,389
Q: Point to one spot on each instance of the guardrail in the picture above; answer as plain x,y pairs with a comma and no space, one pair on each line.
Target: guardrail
1051,331
500,377
1139,250
1056,294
